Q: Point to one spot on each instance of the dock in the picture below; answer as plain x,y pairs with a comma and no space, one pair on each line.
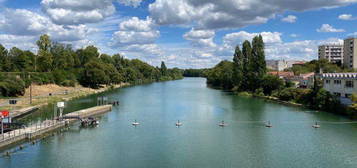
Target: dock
46,127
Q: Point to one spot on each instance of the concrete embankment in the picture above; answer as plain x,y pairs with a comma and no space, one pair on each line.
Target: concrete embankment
44,128
23,111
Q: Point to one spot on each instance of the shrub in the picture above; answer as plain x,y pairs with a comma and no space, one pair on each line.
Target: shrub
12,86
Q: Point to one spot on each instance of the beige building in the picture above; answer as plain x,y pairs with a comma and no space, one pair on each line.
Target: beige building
341,84
333,53
350,53
281,65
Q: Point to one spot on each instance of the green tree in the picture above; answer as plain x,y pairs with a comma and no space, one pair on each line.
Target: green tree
88,54
238,67
20,60
269,83
247,55
45,59
163,69
44,43
62,56
94,75
257,62
106,59
221,75
3,59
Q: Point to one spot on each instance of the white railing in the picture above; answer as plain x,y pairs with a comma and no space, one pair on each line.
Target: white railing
27,132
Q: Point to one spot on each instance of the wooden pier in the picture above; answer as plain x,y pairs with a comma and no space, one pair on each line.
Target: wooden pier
44,128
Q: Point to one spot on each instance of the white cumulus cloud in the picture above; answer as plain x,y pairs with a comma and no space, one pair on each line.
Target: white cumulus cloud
346,17
27,25
289,19
135,31
71,12
213,14
137,36
200,38
134,3
329,28
233,39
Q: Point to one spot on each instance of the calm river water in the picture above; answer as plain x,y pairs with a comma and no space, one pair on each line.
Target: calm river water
200,142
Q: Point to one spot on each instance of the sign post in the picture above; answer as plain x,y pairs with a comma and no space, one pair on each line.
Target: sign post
3,114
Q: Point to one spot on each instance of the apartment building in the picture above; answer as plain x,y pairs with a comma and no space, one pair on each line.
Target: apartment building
340,84
350,53
333,53
281,65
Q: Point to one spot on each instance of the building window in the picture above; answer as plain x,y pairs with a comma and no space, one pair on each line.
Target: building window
349,84
337,82
327,81
348,95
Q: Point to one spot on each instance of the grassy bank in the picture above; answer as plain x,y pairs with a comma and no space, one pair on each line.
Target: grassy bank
41,95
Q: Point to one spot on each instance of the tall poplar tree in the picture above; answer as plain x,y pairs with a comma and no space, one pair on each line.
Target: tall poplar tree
262,68
238,67
257,64
163,69
247,56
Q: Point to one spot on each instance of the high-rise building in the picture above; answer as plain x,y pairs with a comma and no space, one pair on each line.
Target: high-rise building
333,53
350,53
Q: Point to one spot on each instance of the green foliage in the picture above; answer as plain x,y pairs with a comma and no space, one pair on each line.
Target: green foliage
63,56
163,69
221,75
44,43
257,64
354,98
44,61
60,64
195,72
259,92
88,54
270,83
238,67
316,66
64,78
11,86
247,71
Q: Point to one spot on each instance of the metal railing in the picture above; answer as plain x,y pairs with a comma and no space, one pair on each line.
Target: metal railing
27,132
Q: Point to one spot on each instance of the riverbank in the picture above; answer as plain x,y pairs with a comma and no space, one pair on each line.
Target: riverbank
270,98
44,128
47,94
350,112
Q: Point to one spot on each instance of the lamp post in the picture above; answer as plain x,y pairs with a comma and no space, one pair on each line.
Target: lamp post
30,89
2,126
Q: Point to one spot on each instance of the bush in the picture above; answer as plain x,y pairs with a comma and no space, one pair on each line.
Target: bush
12,86
259,92
64,78
270,83
292,94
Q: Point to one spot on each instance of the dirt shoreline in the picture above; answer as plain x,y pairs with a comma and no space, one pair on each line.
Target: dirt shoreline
46,94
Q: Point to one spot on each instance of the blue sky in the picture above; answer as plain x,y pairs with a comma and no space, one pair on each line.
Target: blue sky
183,33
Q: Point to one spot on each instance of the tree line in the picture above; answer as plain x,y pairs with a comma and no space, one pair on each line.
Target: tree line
60,64
247,74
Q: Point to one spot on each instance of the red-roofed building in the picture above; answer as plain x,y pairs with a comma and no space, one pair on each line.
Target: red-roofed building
282,75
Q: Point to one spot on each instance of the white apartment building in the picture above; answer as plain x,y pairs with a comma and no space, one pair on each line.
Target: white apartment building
333,53
350,53
341,84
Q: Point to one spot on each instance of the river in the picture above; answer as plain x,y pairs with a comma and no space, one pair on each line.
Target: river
200,142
